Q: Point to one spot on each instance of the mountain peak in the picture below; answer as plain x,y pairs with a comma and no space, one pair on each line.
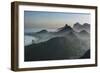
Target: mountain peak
66,25
77,25
83,32
65,28
86,24
43,31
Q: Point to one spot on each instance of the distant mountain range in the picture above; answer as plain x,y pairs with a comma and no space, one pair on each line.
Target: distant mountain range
78,27
65,43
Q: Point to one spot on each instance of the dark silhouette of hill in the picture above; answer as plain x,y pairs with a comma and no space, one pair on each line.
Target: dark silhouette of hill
66,28
86,25
83,33
39,32
79,27
86,55
42,31
54,49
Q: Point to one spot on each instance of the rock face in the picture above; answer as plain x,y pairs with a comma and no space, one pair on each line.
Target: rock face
66,43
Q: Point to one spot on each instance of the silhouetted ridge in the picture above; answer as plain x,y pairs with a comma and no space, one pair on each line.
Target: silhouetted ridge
86,24
65,28
83,33
78,27
77,24
43,31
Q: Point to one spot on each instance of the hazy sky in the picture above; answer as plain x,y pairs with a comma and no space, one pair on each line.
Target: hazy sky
52,20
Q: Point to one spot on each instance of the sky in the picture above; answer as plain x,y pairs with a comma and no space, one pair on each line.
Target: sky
53,20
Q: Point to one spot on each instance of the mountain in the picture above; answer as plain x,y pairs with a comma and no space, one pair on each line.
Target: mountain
37,33
86,26
54,49
84,36
42,31
79,27
66,43
83,33
66,28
